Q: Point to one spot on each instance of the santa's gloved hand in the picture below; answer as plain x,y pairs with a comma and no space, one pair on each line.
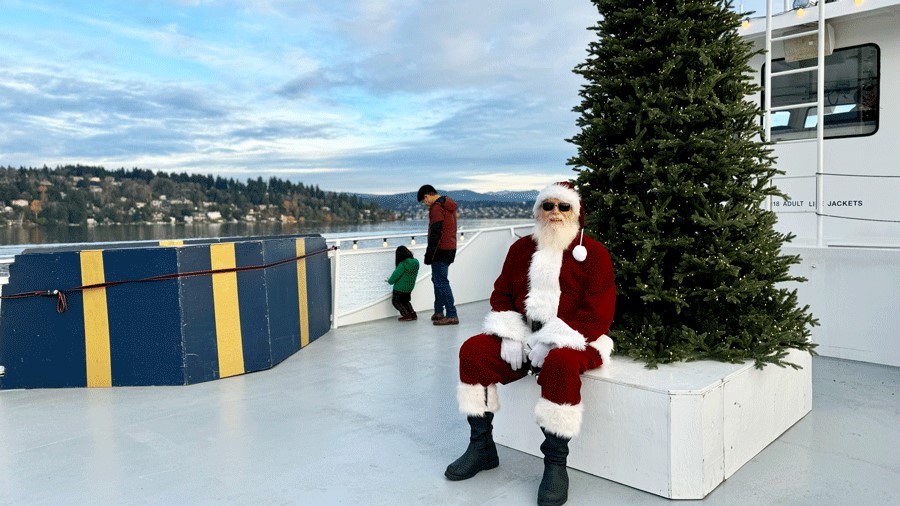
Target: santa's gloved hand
538,353
513,352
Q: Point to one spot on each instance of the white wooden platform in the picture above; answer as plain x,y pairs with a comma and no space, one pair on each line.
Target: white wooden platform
677,431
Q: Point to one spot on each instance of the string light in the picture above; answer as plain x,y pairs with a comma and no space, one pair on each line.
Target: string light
355,246
384,244
413,242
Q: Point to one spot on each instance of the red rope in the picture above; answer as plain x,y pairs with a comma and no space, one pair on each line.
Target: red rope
62,304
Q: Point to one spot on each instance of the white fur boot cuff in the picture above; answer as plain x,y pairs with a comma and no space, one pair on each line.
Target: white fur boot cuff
475,400
564,420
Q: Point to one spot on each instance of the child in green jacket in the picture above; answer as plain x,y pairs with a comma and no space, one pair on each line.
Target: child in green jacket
404,280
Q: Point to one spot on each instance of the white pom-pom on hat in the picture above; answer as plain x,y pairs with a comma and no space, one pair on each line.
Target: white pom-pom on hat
580,253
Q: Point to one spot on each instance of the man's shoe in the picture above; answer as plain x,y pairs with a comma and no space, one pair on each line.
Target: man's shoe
446,321
437,316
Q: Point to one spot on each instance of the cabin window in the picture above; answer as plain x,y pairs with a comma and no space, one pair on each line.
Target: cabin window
852,83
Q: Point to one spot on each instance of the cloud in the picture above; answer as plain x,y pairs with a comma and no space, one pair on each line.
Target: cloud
361,96
281,129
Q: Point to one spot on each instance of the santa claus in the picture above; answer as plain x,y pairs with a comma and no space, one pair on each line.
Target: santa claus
550,312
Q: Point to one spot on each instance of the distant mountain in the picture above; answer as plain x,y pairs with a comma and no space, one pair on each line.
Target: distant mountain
527,196
505,196
502,204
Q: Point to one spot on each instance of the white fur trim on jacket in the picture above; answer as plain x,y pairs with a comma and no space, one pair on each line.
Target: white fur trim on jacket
562,193
508,324
542,301
475,400
564,420
557,333
605,346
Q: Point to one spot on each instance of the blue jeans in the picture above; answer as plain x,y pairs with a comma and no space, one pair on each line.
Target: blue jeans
443,295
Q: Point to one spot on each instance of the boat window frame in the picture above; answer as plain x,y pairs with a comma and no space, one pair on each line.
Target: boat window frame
800,123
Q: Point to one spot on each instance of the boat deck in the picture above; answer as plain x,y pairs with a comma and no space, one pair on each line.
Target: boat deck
367,415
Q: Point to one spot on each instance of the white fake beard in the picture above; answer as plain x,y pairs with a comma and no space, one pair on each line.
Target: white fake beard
556,236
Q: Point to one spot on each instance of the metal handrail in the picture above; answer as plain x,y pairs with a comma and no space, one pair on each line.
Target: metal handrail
422,234
794,71
793,35
820,106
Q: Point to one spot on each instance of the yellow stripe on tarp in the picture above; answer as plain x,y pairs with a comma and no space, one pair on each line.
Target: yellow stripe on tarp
173,242
228,317
301,293
96,321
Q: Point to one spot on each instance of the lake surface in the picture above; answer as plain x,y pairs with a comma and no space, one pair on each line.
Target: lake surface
14,239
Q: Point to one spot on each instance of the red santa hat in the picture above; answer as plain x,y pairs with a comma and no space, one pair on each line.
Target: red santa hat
564,191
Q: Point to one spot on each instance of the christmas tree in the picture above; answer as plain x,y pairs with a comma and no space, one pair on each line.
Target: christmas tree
673,174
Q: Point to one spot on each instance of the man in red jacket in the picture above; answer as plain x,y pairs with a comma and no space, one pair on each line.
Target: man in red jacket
551,309
441,251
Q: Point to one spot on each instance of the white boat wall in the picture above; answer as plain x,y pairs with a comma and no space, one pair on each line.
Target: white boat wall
844,187
479,259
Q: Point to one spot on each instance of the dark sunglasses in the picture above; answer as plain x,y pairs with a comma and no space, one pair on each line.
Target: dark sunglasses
563,207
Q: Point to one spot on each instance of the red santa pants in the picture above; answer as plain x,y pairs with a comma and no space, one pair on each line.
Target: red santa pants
560,377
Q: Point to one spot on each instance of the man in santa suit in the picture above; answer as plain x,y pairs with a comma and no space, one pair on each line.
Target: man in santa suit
551,309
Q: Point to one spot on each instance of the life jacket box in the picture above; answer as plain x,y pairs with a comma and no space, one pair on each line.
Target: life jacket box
228,312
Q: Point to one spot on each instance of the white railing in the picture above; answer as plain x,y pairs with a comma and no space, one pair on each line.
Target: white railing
361,264
4,269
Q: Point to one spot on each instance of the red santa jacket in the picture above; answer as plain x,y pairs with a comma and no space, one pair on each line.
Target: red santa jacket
575,301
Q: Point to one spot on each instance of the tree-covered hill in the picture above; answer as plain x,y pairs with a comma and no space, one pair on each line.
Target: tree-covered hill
76,194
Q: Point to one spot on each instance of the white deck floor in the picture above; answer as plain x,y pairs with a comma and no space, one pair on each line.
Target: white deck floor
367,415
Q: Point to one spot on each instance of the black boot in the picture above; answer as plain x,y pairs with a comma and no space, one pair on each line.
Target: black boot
554,489
481,453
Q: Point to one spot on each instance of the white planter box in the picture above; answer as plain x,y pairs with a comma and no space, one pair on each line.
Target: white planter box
677,431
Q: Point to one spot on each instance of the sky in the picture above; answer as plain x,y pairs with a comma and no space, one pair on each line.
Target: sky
374,96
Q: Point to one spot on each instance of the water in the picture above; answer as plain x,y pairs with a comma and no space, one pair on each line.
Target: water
14,239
